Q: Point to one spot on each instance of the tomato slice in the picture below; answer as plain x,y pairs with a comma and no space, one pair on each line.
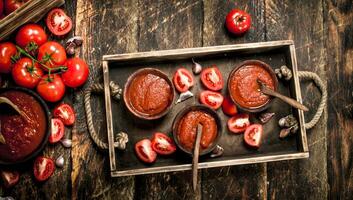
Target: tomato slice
58,22
144,151
238,123
162,144
43,168
10,178
57,130
253,135
211,99
212,78
183,80
66,113
228,107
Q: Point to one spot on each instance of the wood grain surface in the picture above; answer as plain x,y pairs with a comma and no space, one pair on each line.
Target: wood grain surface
323,35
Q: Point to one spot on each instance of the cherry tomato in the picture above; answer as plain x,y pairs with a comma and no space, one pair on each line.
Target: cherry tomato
238,123
76,73
238,21
211,99
144,151
51,88
228,107
212,78
10,178
31,33
52,54
66,113
162,144
183,80
58,22
25,74
253,135
12,5
57,130
43,168
7,50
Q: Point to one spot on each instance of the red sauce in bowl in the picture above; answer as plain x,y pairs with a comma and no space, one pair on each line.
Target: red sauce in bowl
244,88
22,137
186,131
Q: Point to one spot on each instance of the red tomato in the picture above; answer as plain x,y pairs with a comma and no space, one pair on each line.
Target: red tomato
253,135
212,78
144,151
7,50
31,33
43,168
238,123
183,80
211,99
76,73
52,54
238,21
10,178
57,130
66,113
12,5
51,89
25,74
58,22
163,144
228,107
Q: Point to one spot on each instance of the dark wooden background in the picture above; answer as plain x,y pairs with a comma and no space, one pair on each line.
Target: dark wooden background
323,35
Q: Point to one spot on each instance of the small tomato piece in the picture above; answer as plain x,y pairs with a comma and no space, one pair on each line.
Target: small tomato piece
228,107
10,178
43,168
58,22
145,152
57,130
66,113
238,123
211,99
253,135
162,144
183,80
212,78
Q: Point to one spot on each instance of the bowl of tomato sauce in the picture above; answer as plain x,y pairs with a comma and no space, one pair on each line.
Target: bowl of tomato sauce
23,138
185,128
148,94
244,89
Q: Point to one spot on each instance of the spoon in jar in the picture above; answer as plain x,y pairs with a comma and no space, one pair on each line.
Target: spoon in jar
4,100
195,157
264,89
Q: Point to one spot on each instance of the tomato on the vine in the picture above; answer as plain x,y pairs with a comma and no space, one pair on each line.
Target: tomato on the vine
51,88
12,5
43,168
52,54
7,50
76,74
31,36
58,22
26,73
238,21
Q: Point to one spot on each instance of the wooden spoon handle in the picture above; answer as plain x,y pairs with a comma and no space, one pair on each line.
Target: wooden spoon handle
195,160
286,99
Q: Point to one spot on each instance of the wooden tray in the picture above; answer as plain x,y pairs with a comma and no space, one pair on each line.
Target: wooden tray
117,68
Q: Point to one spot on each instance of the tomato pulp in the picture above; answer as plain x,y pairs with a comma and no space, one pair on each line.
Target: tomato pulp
244,88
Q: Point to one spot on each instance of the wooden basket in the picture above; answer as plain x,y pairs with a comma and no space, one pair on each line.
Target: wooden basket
32,11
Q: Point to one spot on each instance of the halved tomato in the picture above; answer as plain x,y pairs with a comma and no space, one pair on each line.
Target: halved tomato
212,78
238,123
10,178
183,80
66,113
228,107
58,22
253,135
162,144
57,130
211,99
43,168
144,151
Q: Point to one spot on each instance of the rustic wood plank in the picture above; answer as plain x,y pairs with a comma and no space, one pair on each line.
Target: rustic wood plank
238,182
301,21
339,44
168,25
107,28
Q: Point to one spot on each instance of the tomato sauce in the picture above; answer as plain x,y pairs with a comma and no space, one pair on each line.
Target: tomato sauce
186,131
149,94
244,88
22,136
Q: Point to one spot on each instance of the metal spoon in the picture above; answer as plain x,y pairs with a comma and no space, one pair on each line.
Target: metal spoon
286,99
9,102
195,159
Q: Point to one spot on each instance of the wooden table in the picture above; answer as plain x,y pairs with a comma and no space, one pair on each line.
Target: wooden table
323,35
